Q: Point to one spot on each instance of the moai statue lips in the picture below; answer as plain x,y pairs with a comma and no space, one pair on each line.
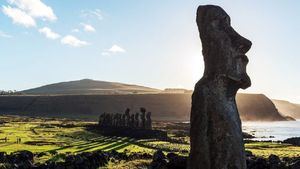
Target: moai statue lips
216,134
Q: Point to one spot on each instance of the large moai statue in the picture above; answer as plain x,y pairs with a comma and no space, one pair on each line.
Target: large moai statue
137,120
216,135
143,118
148,121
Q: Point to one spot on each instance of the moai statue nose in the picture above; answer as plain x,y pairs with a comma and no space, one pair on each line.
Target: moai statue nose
243,44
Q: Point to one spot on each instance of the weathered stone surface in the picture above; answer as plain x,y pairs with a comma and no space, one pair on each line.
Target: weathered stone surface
143,118
216,135
295,165
159,161
176,162
148,121
137,120
274,161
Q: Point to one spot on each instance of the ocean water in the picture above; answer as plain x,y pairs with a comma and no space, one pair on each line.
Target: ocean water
275,131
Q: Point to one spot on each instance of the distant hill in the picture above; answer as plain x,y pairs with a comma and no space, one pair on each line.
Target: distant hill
86,99
257,107
287,108
88,86
169,107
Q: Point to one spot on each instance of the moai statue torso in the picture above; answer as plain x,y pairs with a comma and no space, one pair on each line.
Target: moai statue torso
216,135
109,119
131,121
115,118
148,121
118,123
137,120
123,120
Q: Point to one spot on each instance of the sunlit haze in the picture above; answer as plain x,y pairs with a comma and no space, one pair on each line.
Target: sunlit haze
152,43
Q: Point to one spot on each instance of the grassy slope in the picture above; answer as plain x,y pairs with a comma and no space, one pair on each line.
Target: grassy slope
75,139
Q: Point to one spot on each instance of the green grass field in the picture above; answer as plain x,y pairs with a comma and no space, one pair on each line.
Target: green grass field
62,137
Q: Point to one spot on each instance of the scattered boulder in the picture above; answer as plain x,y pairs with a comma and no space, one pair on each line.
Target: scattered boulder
295,165
274,161
176,161
159,160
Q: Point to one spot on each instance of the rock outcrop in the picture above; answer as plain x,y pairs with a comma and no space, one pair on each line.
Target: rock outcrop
287,108
216,134
294,141
257,107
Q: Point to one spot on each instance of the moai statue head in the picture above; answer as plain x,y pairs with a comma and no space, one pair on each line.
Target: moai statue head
143,110
127,111
222,47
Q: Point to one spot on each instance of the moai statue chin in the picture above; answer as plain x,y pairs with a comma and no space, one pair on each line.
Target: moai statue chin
216,135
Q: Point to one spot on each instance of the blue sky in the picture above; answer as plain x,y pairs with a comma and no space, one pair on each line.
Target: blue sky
147,42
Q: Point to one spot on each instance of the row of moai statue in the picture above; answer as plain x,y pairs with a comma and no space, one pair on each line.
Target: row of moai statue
139,120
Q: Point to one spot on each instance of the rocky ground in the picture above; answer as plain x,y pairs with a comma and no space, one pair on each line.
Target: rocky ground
62,144
159,160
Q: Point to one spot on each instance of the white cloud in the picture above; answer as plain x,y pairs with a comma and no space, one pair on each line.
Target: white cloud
18,16
35,8
4,35
49,33
73,41
113,50
116,49
92,14
88,28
